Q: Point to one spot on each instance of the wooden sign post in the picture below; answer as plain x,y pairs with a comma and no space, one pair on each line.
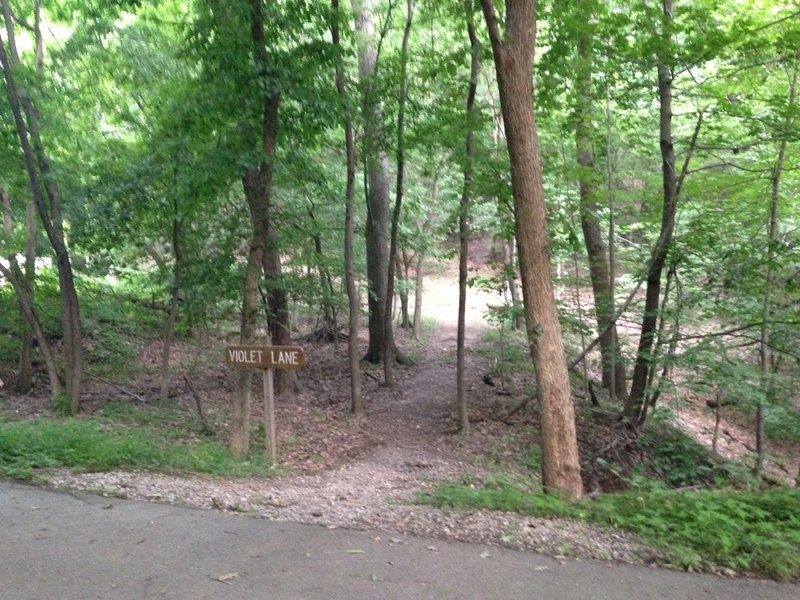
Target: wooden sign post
266,358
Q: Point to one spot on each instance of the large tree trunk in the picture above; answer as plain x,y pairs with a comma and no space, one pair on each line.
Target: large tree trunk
599,271
39,173
377,166
354,301
513,57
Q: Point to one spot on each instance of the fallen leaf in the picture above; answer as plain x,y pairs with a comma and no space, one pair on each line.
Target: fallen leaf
226,578
485,554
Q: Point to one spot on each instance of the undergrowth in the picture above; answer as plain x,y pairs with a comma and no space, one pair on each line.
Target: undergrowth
116,439
755,532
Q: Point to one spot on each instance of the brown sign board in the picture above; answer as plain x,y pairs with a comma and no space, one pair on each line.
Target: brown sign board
265,357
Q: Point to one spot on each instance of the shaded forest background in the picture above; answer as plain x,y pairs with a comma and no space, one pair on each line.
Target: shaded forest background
258,171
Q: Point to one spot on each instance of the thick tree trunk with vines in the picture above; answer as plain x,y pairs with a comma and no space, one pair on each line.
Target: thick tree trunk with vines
513,56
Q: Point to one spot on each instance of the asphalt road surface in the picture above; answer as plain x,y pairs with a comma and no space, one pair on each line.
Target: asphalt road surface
56,546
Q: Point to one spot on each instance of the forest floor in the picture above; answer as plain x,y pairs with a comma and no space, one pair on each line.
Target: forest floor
365,473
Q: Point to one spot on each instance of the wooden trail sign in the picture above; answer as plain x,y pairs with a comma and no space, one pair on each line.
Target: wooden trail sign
266,358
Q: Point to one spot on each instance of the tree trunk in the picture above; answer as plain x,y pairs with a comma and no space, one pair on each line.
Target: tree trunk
260,199
388,334
416,328
25,300
377,178
8,220
635,411
25,379
354,301
772,236
599,271
240,420
513,59
404,268
173,303
39,172
463,227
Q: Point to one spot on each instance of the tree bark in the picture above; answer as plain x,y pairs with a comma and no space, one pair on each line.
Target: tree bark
599,271
377,179
772,236
173,303
513,57
28,310
463,226
635,411
24,381
353,299
388,333
261,200
40,176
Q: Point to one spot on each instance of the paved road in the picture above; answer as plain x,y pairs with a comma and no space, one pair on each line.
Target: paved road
81,547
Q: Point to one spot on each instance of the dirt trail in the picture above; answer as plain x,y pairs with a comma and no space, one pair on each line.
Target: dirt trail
417,447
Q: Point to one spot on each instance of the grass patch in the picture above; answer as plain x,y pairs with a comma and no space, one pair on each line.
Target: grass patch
757,532
95,445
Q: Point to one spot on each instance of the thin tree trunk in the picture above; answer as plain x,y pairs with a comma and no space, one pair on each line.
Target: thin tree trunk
513,58
240,420
25,379
388,334
404,268
39,172
599,271
173,303
416,328
463,226
25,300
511,281
772,236
328,293
354,301
616,354
8,220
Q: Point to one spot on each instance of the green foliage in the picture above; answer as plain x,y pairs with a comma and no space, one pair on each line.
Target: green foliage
117,438
757,532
